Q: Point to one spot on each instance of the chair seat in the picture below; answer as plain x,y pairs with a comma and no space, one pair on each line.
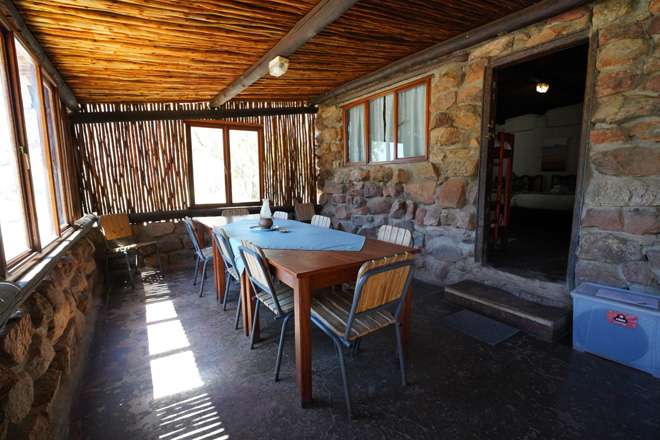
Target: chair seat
207,252
333,308
284,295
232,272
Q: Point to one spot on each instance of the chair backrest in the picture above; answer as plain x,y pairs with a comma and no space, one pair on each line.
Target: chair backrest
222,242
396,235
321,220
280,215
381,283
115,226
235,211
257,268
304,211
193,237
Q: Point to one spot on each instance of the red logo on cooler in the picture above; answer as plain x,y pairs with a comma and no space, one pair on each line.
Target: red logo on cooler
623,319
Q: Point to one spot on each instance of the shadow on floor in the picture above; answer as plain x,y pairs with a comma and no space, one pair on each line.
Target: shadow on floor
166,364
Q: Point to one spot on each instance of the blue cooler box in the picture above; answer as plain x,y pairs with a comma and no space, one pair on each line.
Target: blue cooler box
618,324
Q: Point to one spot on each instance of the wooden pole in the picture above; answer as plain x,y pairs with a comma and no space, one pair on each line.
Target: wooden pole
528,16
165,115
326,12
66,95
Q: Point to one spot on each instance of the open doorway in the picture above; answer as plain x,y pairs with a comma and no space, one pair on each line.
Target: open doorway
531,171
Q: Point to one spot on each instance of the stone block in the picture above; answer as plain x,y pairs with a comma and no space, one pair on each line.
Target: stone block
359,202
85,301
89,265
623,192
39,308
40,355
398,209
461,153
338,198
475,70
421,192
608,248
19,396
653,256
654,27
444,249
606,136
62,360
440,119
424,171
400,175
16,338
63,271
620,108
654,7
614,81
622,52
347,227
641,220
460,167
61,309
78,282
46,388
332,187
356,189
639,272
342,212
547,34
393,190
494,47
467,116
432,217
159,229
605,219
419,216
380,173
446,135
620,31
167,243
470,95
598,274
443,102
631,161
452,194
372,189
359,174
361,220
379,205
447,80
573,14
647,130
606,12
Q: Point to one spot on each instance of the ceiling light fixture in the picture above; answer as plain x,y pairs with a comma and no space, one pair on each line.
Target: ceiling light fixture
278,66
542,87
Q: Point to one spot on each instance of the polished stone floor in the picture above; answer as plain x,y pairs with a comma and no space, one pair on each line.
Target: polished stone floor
167,364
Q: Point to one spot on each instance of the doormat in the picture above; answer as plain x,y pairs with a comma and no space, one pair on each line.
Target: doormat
479,327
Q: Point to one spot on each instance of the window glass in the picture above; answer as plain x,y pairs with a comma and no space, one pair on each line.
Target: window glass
381,129
53,138
411,122
244,158
208,165
12,214
355,133
34,126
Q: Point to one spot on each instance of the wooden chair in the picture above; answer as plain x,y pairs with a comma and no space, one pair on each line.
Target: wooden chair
279,299
304,211
235,211
280,215
382,285
321,220
118,238
203,255
396,235
231,273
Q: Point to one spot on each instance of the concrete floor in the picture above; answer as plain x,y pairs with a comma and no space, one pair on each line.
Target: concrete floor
166,364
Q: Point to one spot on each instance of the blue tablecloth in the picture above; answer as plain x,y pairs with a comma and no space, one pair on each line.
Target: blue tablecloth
301,236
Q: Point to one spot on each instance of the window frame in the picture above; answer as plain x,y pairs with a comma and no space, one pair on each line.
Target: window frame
15,266
226,127
367,144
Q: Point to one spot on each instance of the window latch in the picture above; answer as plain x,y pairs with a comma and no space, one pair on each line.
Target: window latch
27,158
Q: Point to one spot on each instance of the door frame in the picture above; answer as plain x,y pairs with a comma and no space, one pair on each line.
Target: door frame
488,132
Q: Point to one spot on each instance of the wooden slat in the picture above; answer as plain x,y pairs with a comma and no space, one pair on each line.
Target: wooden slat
115,226
384,287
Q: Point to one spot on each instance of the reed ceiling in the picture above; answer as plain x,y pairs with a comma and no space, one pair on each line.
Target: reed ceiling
179,51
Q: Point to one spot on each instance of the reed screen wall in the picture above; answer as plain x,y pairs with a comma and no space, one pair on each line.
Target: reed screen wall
137,167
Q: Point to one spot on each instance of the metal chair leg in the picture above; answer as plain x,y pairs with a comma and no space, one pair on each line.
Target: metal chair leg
280,348
196,269
400,347
254,324
201,287
342,367
160,263
228,279
238,311
128,265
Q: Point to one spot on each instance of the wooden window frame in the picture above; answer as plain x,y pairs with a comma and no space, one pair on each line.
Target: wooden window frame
14,267
367,144
226,127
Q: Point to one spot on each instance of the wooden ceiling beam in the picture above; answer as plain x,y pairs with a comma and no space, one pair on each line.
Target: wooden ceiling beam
166,115
526,17
323,14
66,94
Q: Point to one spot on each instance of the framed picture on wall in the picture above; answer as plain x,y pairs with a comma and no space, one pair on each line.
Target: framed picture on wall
555,152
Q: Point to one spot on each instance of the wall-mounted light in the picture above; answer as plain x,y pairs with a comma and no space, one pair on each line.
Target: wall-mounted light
542,87
278,66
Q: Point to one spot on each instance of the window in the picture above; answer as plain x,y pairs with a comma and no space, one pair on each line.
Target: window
225,162
390,127
33,192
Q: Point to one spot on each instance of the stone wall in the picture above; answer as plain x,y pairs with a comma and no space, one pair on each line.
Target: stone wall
42,344
619,242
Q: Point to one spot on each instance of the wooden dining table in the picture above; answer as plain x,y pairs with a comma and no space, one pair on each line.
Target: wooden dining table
305,271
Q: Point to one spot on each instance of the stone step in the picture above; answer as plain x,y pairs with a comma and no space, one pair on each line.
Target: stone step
544,322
